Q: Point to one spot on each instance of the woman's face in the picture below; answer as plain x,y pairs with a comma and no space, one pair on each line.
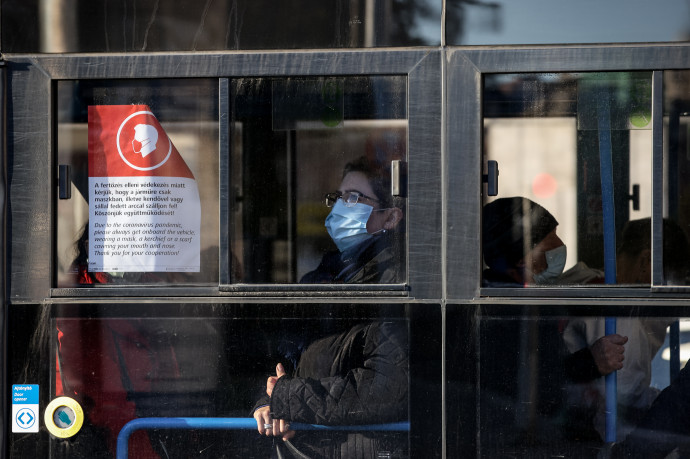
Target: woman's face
357,181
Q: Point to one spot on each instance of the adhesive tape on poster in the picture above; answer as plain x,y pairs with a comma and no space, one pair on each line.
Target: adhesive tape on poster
64,417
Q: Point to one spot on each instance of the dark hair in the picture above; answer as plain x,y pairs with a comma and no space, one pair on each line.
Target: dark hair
636,236
509,226
82,255
379,177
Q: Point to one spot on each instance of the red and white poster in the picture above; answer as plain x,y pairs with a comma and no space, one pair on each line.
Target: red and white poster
144,209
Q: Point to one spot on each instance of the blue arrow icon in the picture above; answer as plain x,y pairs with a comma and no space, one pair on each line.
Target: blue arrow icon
25,418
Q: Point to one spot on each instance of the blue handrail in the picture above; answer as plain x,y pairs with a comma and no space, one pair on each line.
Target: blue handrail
230,424
609,215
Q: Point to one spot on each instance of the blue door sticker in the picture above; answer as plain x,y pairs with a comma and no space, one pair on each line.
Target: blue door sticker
25,407
25,394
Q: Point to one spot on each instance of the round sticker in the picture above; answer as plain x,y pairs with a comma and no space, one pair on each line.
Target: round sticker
142,143
63,417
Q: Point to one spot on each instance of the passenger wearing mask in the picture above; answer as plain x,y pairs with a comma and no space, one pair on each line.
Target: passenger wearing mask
364,223
359,374
521,248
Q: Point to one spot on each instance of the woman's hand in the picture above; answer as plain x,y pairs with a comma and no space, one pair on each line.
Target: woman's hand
263,420
266,425
272,380
281,428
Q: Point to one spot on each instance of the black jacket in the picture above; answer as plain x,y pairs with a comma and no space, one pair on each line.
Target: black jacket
373,262
356,377
665,426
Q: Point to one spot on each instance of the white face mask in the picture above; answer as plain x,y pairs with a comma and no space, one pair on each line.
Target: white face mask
555,262
347,226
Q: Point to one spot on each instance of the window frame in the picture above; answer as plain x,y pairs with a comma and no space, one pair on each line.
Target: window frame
466,70
33,91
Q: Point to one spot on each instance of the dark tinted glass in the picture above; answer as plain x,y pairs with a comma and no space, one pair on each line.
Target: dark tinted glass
540,389
261,24
550,135
293,140
213,361
96,224
676,171
216,25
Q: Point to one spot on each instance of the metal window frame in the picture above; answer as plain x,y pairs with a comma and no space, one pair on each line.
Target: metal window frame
31,146
465,70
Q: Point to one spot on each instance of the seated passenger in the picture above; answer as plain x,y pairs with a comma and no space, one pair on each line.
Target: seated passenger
633,266
364,224
521,248
359,375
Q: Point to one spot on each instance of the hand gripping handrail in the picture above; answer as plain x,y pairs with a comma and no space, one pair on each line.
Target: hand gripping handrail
230,424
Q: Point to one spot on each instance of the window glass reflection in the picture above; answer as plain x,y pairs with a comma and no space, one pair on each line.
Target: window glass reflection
676,161
549,134
297,140
141,159
217,25
120,369
494,22
542,389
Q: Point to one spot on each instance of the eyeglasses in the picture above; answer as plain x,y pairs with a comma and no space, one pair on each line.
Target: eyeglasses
350,198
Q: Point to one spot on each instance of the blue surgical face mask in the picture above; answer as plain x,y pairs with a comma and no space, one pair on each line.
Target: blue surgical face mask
555,262
347,226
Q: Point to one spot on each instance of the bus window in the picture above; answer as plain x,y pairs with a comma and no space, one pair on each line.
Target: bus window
199,360
542,380
552,136
220,25
301,140
676,164
141,177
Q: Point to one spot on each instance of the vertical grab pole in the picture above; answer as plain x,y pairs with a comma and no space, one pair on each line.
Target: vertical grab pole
608,209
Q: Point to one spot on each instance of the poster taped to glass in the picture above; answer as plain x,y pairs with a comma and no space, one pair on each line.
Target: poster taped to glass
144,207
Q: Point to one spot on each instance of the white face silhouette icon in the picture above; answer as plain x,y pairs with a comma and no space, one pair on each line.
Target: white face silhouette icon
147,136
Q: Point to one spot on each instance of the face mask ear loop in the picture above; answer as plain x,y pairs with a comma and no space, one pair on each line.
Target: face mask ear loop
382,230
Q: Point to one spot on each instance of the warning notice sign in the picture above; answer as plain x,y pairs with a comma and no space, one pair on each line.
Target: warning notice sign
144,209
